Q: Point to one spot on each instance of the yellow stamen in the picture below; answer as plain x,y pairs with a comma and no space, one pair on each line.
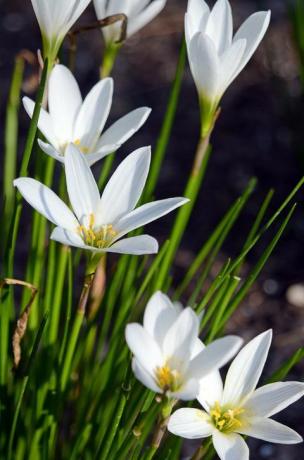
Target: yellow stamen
98,238
168,379
226,420
82,148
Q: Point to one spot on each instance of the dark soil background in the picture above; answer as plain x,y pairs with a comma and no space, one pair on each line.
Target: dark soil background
260,133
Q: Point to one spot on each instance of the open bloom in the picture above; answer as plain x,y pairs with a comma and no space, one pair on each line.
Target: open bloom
138,12
169,357
71,120
98,223
55,19
239,408
215,56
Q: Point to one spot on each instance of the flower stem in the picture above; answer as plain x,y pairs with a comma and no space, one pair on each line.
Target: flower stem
81,310
191,191
201,451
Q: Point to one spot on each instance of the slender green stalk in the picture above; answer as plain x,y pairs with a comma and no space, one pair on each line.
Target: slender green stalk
193,186
11,138
166,130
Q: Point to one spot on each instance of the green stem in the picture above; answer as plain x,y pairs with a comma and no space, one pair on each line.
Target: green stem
11,138
109,59
184,213
163,140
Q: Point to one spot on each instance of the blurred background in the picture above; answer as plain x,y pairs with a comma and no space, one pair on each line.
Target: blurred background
260,133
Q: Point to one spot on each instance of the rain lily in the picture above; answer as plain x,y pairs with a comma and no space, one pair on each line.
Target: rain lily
238,408
138,12
215,56
169,358
98,223
72,120
55,18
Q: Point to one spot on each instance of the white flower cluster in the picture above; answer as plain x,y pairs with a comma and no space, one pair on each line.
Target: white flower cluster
169,358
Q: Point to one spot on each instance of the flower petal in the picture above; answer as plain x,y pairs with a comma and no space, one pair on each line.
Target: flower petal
146,16
92,158
271,431
50,150
46,202
210,390
82,188
68,238
181,337
160,314
230,62
214,356
197,16
143,347
94,114
45,123
190,424
187,392
205,65
64,101
147,213
125,186
253,30
230,446
124,128
220,25
144,376
137,245
271,399
246,369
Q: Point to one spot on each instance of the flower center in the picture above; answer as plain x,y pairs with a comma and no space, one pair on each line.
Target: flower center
168,379
98,238
226,420
82,148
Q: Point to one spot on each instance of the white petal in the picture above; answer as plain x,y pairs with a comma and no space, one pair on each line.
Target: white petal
271,431
82,188
246,369
46,202
45,123
64,100
180,338
143,347
253,30
94,114
190,424
144,376
230,446
214,356
271,399
197,13
68,238
220,25
76,12
92,158
146,16
125,186
147,213
137,245
210,390
51,151
210,386
124,128
230,63
159,316
187,392
100,8
205,65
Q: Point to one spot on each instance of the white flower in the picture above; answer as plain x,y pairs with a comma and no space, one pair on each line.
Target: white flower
239,409
98,223
55,18
215,56
71,120
138,12
168,355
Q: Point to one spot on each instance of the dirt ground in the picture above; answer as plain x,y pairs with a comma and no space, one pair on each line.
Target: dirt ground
258,134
